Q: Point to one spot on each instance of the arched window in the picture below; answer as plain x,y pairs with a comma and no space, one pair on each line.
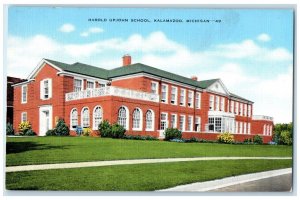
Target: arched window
136,119
97,117
85,117
149,120
74,118
122,117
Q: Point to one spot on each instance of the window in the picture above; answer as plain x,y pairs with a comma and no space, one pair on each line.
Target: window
173,121
174,95
154,87
222,103
97,117
163,121
231,106
182,97
90,84
249,128
136,119
74,118
241,127
149,120
190,123
164,93
78,85
182,123
211,124
265,130
215,124
236,108
24,94
101,85
191,99
198,100
236,127
85,120
217,104
23,116
249,110
122,117
245,109
211,102
245,128
241,109
271,130
46,89
197,124
218,125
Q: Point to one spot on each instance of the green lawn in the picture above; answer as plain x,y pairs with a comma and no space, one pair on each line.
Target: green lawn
38,150
142,177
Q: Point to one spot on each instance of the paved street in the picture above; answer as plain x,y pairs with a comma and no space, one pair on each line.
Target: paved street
282,183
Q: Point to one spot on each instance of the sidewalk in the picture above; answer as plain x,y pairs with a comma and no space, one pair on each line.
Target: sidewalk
128,162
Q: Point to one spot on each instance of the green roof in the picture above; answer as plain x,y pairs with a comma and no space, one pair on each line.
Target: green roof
238,97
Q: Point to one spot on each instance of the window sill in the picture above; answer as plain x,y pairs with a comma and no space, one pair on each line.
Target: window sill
149,130
134,129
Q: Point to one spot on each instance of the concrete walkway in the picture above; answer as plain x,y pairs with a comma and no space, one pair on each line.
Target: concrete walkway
237,183
128,162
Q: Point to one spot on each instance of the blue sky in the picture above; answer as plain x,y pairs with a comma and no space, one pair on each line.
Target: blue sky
251,50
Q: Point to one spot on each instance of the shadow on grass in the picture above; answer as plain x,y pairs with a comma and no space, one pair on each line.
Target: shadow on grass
19,147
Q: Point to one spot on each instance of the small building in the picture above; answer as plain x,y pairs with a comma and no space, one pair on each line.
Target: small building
144,99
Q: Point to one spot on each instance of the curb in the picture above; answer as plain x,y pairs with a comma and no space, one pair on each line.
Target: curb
220,183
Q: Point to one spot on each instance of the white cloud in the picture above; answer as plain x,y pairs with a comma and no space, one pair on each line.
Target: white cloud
67,28
264,37
233,63
92,30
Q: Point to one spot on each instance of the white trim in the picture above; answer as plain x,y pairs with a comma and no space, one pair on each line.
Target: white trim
141,120
176,96
190,128
167,93
183,128
222,85
74,75
211,107
82,83
42,130
167,124
38,68
22,113
184,97
199,100
156,86
199,119
153,120
42,95
97,106
22,89
193,101
127,116
23,83
81,118
71,128
174,114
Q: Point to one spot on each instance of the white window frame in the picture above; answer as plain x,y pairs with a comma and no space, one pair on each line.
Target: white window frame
156,86
82,84
166,121
140,122
198,121
211,102
241,109
241,127
82,117
152,123
191,124
264,129
217,106
91,81
191,99
183,123
71,118
222,104
232,106
166,99
245,110
198,100
22,117
95,126
236,127
245,128
249,110
236,110
42,89
182,91
24,100
175,121
249,128
176,95
127,117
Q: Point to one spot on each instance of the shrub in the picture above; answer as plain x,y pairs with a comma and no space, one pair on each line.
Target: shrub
29,132
226,138
138,137
257,139
87,131
172,133
117,131
286,137
24,127
78,130
61,128
248,141
191,140
9,129
105,129
51,132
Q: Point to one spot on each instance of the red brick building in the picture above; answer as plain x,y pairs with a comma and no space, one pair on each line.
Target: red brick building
144,99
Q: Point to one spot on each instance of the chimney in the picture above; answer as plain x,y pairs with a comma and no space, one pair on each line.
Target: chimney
195,78
126,60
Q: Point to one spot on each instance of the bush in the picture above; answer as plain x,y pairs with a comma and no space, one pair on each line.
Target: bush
286,137
248,141
257,139
79,130
29,132
117,131
61,128
105,129
9,129
51,132
191,140
138,137
226,138
87,131
172,133
24,127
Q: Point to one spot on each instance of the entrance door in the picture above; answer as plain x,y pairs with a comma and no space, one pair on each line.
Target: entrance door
45,120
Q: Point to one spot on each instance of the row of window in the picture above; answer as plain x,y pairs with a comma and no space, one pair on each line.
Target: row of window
218,103
174,95
267,129
190,126
226,124
78,84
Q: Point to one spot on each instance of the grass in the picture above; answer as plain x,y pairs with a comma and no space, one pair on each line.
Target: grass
142,177
41,150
